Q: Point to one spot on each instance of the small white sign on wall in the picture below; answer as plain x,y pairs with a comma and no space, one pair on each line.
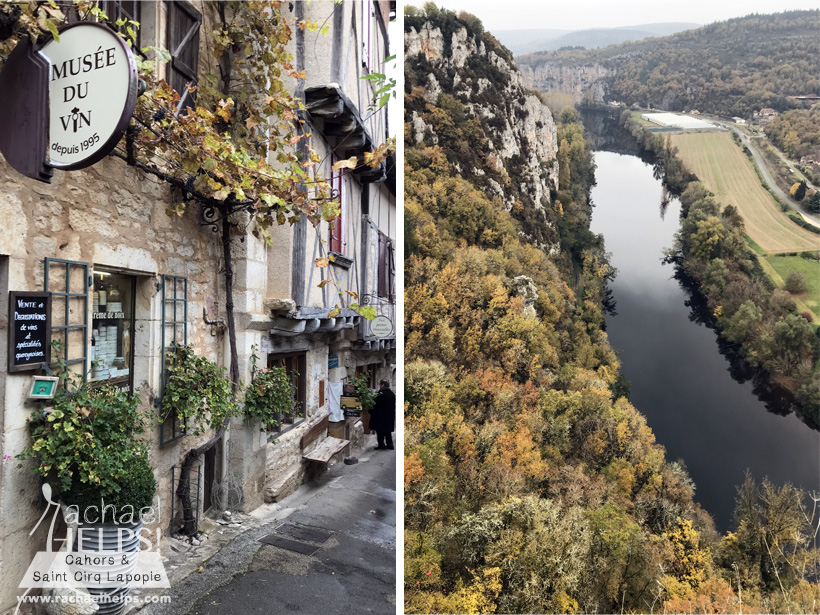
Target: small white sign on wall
381,326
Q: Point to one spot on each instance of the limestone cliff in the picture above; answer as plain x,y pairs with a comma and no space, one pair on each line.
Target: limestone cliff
588,83
512,146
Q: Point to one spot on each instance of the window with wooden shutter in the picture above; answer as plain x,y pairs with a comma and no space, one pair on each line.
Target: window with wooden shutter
391,271
123,9
387,268
338,184
183,42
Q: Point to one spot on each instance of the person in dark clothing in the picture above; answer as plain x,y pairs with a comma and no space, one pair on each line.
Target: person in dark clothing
383,416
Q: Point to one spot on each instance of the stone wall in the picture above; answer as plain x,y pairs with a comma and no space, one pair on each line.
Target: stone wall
114,216
285,469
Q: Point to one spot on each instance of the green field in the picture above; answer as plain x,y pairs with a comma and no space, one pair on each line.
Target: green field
720,164
636,117
779,268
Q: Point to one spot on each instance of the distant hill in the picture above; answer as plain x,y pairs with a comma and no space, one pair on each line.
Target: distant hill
528,41
730,68
531,41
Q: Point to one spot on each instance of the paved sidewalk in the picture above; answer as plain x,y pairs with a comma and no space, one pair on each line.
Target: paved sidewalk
344,524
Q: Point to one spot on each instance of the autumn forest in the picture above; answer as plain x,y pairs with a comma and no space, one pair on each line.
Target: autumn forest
532,484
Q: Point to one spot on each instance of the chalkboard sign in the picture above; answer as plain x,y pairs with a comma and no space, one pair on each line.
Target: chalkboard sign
30,330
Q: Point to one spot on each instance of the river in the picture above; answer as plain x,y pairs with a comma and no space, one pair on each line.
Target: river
704,408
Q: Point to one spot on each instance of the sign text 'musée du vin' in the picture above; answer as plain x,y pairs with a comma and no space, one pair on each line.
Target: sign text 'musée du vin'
30,330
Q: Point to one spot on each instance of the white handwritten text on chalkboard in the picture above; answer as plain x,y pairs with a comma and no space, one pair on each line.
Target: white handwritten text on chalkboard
31,330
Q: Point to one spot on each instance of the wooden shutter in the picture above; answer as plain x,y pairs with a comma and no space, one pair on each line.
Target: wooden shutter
387,268
384,266
183,42
337,183
391,271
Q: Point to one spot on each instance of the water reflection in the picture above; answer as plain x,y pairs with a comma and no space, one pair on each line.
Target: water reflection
775,398
704,403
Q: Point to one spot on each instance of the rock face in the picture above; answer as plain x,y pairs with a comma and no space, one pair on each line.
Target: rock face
520,130
586,83
524,287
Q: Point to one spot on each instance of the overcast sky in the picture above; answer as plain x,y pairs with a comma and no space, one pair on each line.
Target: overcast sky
584,14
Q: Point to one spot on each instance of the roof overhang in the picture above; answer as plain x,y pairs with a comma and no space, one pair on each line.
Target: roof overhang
337,118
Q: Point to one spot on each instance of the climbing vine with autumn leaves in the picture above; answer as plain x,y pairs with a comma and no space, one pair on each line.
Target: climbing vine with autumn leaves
237,144
245,144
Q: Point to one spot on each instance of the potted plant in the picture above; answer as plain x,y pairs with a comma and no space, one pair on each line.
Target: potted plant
87,447
363,391
271,397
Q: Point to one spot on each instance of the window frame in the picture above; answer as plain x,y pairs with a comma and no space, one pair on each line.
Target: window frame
297,370
114,11
171,423
101,269
336,232
67,296
367,23
177,67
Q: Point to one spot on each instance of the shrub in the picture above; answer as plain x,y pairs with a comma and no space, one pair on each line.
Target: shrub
363,391
137,487
197,391
796,283
270,397
86,438
87,444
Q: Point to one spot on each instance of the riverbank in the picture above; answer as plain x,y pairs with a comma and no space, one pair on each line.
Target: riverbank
704,403
747,308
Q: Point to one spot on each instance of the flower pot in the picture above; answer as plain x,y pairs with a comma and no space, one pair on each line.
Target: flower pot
117,543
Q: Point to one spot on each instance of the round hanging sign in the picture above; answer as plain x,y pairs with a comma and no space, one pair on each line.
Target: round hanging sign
381,326
92,85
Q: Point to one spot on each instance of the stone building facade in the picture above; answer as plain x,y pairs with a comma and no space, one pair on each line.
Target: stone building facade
104,229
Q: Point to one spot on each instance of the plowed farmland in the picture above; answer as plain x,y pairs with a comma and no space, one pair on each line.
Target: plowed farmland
720,164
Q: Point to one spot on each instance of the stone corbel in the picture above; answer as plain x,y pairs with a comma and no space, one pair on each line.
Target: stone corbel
285,327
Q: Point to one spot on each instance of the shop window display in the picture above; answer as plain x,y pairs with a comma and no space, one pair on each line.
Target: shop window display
112,356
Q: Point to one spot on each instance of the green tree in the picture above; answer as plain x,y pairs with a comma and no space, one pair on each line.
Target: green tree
813,204
745,324
708,238
714,278
800,193
791,345
796,282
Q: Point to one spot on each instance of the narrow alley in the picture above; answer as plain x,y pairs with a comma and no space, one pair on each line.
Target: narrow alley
329,548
